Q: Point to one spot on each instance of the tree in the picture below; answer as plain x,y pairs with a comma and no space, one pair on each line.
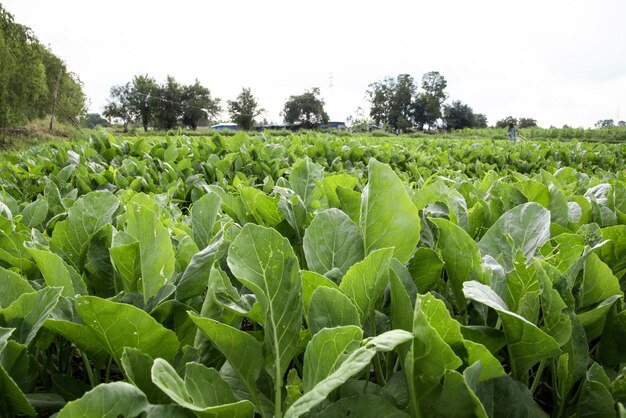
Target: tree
91,120
169,107
391,101
458,116
480,120
244,109
427,108
28,78
621,123
380,94
197,104
144,98
119,105
527,123
401,112
306,110
605,123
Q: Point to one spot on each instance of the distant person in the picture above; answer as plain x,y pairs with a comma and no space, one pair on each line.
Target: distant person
512,132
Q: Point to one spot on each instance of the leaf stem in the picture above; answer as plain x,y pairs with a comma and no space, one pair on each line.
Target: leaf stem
92,380
537,378
378,368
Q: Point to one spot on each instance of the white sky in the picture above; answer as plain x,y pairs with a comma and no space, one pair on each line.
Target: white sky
558,61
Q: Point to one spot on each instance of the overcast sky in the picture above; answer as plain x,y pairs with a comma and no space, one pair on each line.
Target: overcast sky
558,61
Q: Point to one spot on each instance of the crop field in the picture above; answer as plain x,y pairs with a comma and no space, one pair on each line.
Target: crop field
312,275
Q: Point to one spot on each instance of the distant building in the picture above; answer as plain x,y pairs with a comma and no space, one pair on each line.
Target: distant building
333,125
224,126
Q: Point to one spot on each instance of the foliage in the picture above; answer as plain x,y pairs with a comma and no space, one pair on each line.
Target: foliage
605,123
244,109
397,103
430,101
306,110
197,104
392,101
164,106
312,275
91,120
28,78
521,123
460,116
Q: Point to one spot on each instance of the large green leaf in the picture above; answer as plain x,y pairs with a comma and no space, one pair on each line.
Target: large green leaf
460,255
28,313
203,391
594,320
331,241
126,259
89,213
305,179
425,267
388,216
137,366
195,277
263,207
203,214
452,399
365,405
326,351
13,286
12,399
330,186
439,192
35,213
598,282
118,325
110,400
366,280
242,350
264,262
556,322
57,273
155,248
526,343
429,355
356,361
595,398
506,397
525,227
330,308
310,282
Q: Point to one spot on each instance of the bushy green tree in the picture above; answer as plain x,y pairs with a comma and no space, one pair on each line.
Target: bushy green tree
480,120
527,123
28,78
459,116
244,109
197,104
306,110
428,104
605,123
169,107
118,106
398,104
91,120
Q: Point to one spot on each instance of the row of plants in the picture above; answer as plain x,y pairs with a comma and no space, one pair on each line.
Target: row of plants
303,277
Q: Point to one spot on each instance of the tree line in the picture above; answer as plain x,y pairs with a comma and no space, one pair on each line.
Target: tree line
30,74
395,104
170,104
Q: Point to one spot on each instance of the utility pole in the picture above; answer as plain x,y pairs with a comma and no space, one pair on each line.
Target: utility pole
55,95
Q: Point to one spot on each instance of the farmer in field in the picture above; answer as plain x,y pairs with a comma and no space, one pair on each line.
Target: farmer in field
512,132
